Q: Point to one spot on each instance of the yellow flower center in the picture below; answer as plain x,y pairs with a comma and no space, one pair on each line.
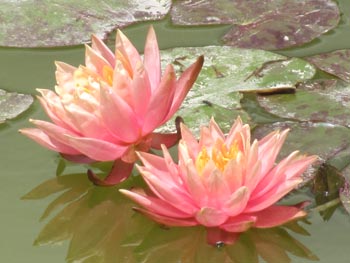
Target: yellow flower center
107,74
220,155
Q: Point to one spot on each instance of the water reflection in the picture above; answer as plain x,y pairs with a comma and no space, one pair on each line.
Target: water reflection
100,226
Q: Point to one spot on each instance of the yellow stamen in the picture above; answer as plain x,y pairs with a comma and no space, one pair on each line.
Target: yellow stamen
220,155
107,73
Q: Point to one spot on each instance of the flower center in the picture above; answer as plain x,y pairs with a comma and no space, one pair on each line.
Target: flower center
220,155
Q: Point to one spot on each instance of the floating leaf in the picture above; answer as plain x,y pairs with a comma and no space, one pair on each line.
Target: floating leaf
269,24
326,186
12,104
225,72
336,63
317,101
59,23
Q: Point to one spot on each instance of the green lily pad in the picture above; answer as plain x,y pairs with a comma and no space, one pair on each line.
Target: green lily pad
316,101
335,63
227,71
12,104
29,23
269,24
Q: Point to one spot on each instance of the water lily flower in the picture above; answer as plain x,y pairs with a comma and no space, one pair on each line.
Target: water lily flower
225,183
109,108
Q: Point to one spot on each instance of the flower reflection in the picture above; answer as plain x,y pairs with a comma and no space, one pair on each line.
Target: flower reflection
100,226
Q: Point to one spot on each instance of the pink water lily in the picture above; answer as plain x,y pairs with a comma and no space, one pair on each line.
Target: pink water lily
225,183
109,108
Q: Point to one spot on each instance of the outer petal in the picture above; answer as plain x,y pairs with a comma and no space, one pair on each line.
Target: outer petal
190,140
152,59
210,217
237,201
94,61
239,223
155,205
95,149
161,100
140,93
64,77
277,215
118,116
168,221
184,84
49,142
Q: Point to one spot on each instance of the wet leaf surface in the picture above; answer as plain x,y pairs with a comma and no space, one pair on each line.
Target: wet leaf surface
336,63
48,23
227,71
317,101
12,104
272,24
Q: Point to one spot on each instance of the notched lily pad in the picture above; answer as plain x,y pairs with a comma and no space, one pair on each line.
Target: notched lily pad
12,104
269,24
227,71
316,101
26,23
336,63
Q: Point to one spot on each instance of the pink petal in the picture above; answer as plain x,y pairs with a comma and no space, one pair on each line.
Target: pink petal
189,139
172,168
217,189
184,84
48,142
210,217
140,92
118,116
79,158
152,59
233,175
161,100
234,131
195,186
167,139
272,196
127,49
217,236
120,171
215,130
168,221
155,205
239,223
96,149
94,61
64,76
152,161
99,46
237,201
277,215
169,192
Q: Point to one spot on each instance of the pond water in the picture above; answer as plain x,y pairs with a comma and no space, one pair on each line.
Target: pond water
85,223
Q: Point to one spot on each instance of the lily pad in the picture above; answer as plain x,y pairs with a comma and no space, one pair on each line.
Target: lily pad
269,24
336,63
316,101
227,71
12,104
29,23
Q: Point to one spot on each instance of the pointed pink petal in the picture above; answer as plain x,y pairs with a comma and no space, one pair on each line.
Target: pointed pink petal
120,171
237,201
195,185
127,49
210,217
64,75
118,116
99,46
161,100
168,221
277,215
94,61
272,196
141,92
152,59
233,175
189,139
217,189
239,223
169,192
152,161
184,84
215,130
235,129
48,142
167,139
216,236
96,149
155,205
